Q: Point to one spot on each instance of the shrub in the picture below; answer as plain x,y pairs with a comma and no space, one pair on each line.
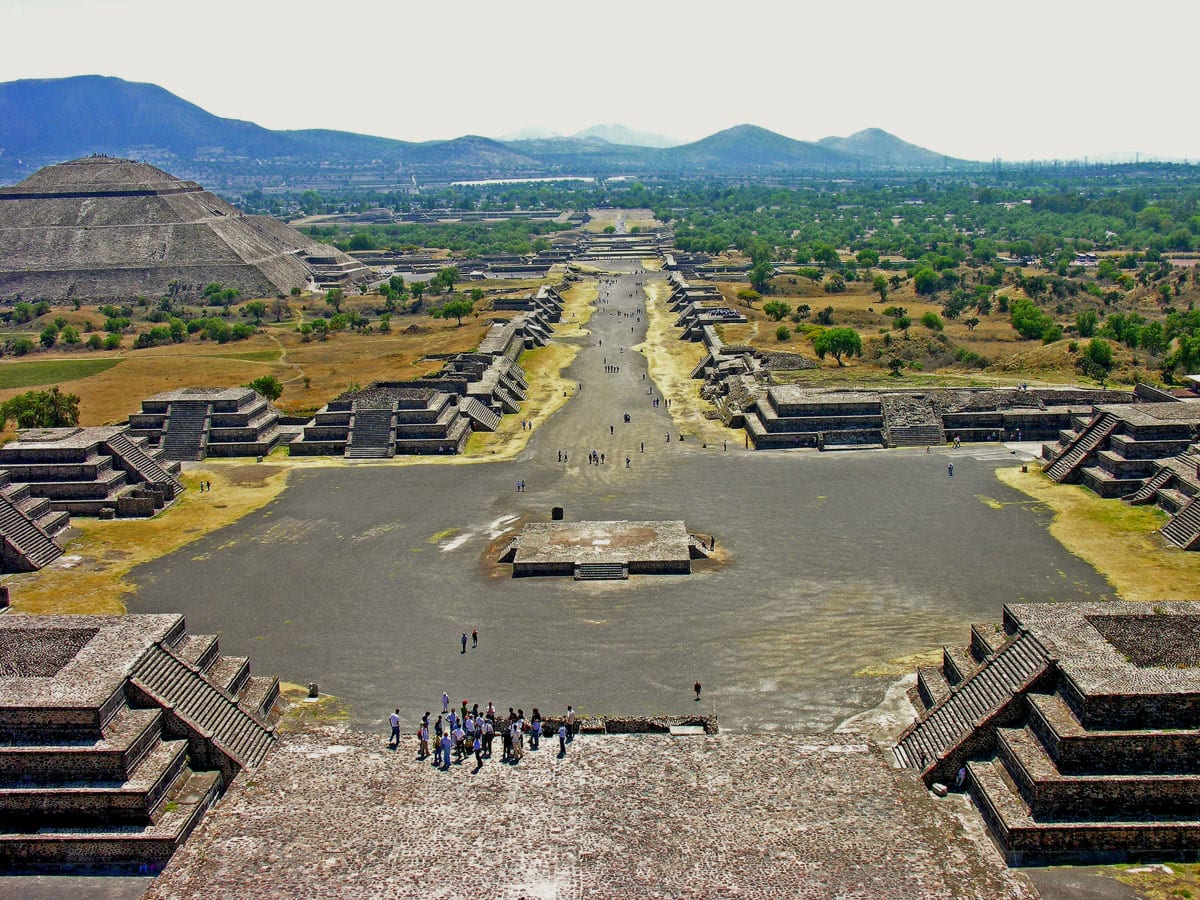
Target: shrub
783,333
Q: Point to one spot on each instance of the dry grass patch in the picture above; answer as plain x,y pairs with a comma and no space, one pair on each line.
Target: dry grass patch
671,362
548,392
95,582
1119,540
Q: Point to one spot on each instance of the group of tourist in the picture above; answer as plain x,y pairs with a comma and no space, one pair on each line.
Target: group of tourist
458,734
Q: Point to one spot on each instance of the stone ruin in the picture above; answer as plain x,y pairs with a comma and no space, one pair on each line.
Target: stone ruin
107,229
1075,729
48,475
116,735
604,551
195,423
1144,453
437,414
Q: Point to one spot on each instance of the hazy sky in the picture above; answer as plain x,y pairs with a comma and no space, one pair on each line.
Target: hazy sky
1017,80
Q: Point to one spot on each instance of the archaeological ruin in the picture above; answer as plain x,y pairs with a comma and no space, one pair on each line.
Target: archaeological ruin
109,229
1075,728
117,733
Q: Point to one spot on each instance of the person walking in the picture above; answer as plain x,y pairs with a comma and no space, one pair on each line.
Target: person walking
423,741
562,739
950,469
474,638
696,687
394,721
535,731
570,723
627,462
477,746
464,642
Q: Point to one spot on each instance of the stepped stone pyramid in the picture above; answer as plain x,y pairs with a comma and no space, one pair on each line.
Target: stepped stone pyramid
116,735
102,228
1075,728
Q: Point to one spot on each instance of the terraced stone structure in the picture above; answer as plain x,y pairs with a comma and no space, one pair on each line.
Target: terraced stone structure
600,551
195,423
786,415
86,471
104,229
1144,453
1074,727
116,734
432,415
29,528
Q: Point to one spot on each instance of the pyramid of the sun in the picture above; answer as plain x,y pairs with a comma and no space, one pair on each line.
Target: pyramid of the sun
111,229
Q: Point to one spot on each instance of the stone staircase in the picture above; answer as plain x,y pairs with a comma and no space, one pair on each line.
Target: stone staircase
601,572
205,708
1148,492
1183,530
1068,464
183,436
938,742
481,417
929,435
27,547
131,454
371,434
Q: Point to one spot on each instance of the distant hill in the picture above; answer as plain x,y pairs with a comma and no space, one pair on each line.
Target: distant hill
879,146
43,121
628,137
748,147
72,117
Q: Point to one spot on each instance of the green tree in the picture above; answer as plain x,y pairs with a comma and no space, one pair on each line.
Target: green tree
867,258
41,409
49,336
456,308
94,341
334,298
1085,322
70,336
749,296
880,286
777,309
112,342
256,309
838,342
760,276
267,385
932,321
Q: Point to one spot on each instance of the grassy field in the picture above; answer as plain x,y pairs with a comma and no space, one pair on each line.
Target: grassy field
51,371
90,578
1121,541
112,384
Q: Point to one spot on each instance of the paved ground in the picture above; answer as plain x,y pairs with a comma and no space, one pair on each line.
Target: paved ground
334,814
362,578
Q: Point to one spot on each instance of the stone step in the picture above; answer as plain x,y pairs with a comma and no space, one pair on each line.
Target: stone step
124,848
1025,841
127,737
1053,796
601,571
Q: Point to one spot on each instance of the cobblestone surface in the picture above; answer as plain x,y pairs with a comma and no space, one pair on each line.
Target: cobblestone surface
334,813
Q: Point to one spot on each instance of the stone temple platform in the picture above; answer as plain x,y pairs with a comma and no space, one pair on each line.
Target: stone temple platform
1075,728
604,550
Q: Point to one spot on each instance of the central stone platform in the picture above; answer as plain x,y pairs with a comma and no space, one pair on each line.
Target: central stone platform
603,550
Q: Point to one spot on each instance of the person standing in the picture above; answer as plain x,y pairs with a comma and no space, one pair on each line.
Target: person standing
474,638
477,746
464,642
696,687
489,732
562,739
570,723
423,741
447,743
445,702
950,469
394,721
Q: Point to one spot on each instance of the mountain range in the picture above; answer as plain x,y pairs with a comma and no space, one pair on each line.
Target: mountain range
51,120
